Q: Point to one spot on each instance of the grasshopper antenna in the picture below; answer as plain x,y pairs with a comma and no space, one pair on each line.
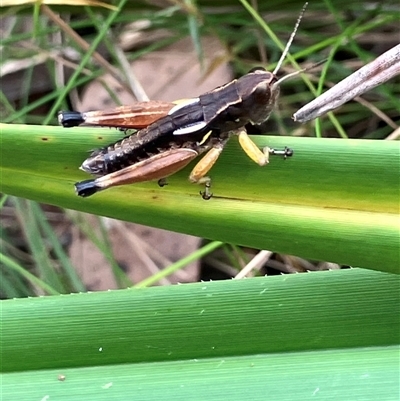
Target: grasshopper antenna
286,51
293,74
289,42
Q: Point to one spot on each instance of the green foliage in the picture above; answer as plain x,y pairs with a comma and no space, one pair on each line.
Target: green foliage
309,332
343,194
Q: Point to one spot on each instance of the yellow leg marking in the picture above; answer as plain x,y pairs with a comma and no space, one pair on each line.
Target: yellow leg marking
205,137
251,149
204,166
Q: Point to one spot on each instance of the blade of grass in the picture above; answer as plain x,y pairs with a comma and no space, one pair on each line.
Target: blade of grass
27,217
370,375
28,276
101,241
296,313
179,265
62,258
109,20
322,194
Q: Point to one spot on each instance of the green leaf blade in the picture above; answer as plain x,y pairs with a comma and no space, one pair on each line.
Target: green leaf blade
342,193
312,311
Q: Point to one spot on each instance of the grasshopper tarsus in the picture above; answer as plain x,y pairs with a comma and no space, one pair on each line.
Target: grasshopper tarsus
162,182
206,194
286,152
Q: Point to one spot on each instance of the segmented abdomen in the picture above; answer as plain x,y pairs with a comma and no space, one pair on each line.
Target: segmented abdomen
149,141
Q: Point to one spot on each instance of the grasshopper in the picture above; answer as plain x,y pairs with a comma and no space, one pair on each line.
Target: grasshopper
171,136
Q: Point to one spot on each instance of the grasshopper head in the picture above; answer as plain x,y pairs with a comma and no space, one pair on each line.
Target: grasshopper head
259,92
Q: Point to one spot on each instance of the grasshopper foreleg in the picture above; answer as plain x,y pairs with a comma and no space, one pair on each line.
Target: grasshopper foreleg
261,157
252,150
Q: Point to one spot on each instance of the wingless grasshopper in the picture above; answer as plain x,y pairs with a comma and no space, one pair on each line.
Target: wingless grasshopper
171,136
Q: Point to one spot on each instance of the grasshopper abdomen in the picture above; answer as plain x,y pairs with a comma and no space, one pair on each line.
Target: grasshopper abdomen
156,138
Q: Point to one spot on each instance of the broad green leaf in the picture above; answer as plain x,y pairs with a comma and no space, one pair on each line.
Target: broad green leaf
334,200
329,334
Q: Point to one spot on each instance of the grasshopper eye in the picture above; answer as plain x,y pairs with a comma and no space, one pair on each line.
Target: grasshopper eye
190,129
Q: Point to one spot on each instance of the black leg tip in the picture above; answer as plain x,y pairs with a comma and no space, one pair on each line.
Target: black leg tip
288,152
206,195
162,182
86,188
70,118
